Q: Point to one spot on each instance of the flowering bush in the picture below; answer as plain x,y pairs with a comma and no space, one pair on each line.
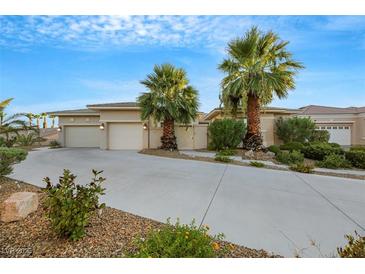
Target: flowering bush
179,241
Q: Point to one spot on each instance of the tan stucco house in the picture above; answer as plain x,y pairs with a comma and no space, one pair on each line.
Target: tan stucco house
119,126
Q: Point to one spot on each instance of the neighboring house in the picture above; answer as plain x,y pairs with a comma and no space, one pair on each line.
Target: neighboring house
119,126
345,125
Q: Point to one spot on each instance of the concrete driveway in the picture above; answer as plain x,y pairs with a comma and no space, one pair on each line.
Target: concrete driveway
278,211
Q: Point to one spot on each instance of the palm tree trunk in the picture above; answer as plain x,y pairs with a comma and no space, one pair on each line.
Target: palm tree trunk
253,139
168,139
38,123
45,122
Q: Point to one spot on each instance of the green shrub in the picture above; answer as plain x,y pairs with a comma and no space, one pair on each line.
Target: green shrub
294,157
226,134
7,142
355,247
356,158
54,144
222,158
302,167
357,148
292,146
27,139
226,152
322,136
295,129
334,161
179,241
69,206
318,151
257,164
274,148
9,157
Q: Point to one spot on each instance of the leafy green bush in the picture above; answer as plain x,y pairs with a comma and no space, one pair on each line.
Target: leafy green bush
295,129
286,157
54,144
226,152
7,142
222,158
27,139
292,146
356,158
322,136
357,148
334,161
318,151
302,167
9,157
274,148
355,247
69,206
257,164
179,241
226,134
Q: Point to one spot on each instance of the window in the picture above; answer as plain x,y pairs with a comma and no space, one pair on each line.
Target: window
323,127
346,127
340,127
328,127
334,127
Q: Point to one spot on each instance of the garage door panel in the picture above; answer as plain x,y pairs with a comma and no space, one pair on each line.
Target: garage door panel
125,136
339,134
82,136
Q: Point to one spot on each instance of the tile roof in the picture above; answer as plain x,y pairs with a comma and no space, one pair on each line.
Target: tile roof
73,111
314,109
117,105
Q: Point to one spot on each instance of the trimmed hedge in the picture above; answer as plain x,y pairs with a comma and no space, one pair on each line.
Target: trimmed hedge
295,129
320,136
226,134
9,157
290,158
318,151
356,158
334,161
274,148
291,146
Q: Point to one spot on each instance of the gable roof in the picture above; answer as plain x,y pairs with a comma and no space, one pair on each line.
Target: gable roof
114,105
83,111
314,109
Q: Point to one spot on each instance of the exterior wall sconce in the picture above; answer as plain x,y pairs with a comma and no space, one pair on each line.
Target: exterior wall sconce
102,127
59,129
144,126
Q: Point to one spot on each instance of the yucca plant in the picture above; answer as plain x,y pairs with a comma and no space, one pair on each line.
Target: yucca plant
258,67
170,99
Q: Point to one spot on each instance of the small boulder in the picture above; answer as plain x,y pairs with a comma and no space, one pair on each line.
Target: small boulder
18,206
270,154
249,154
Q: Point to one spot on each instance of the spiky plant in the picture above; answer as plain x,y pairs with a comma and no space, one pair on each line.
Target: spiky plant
170,99
258,67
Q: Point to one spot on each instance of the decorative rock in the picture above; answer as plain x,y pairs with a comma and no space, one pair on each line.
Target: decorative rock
270,154
18,206
250,154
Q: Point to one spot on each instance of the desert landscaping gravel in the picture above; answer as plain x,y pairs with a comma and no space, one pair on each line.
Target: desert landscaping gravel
109,234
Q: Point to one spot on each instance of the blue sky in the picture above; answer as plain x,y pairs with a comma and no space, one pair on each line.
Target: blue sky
65,62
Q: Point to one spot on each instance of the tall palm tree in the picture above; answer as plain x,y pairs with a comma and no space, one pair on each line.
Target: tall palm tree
53,120
170,99
30,117
37,117
258,67
44,116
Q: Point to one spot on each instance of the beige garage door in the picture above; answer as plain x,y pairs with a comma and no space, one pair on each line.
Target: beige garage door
125,136
82,136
